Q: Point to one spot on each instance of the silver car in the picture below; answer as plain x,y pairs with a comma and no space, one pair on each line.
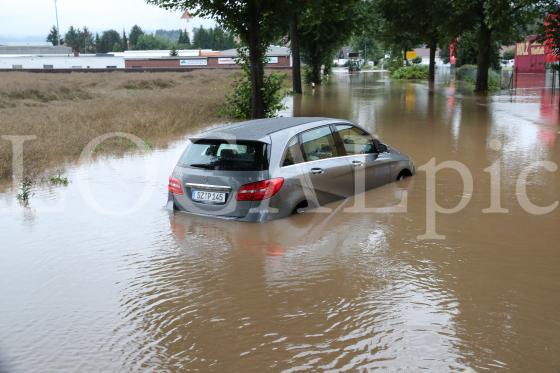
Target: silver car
267,169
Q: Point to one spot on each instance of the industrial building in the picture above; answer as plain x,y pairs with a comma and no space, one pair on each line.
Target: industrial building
60,58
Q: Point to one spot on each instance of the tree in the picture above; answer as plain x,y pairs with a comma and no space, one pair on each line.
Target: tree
366,42
54,36
135,34
325,26
86,39
254,21
151,42
184,40
408,23
212,38
72,39
124,41
110,41
496,22
97,43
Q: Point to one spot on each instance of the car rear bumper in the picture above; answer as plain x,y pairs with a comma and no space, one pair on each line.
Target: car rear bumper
258,214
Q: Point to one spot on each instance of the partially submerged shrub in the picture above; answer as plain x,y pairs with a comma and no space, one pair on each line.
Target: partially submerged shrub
238,101
59,179
25,191
467,73
416,72
417,60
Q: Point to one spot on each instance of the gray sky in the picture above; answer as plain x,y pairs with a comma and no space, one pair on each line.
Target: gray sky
31,20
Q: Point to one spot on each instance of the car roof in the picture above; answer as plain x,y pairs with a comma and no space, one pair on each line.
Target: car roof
258,129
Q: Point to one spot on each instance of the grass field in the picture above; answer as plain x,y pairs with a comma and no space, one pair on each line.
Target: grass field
67,111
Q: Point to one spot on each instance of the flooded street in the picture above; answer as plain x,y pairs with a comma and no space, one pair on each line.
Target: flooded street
98,276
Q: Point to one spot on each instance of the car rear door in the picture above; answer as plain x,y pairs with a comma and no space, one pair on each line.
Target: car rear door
329,174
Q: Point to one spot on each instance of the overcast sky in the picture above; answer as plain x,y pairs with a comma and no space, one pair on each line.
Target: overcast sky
31,20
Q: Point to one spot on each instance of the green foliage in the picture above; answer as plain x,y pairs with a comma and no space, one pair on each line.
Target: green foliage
238,101
256,23
366,43
25,191
54,36
212,38
135,33
173,52
324,27
109,41
171,35
416,60
125,45
395,61
80,41
467,73
414,72
508,54
59,179
184,40
152,42
467,50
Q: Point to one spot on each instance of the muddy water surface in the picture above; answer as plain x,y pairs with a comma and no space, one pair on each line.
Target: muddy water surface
98,276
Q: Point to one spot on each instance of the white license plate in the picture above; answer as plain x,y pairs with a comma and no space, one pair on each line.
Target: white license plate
213,197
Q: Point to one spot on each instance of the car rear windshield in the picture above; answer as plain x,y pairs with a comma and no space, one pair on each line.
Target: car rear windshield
226,156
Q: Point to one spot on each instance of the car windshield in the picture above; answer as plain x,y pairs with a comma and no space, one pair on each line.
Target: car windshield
226,156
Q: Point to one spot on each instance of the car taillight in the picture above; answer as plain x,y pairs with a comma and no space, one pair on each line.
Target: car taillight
175,186
260,190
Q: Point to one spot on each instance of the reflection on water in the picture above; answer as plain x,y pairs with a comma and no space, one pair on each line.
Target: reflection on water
86,289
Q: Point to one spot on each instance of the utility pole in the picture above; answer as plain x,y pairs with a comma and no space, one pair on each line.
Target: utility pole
57,27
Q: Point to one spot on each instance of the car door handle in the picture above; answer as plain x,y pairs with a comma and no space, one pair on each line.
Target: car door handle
317,171
357,163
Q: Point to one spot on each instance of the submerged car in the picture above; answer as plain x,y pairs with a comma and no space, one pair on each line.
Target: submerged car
267,169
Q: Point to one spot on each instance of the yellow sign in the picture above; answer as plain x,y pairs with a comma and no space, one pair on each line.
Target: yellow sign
410,55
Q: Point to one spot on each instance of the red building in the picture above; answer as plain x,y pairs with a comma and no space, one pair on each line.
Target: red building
530,56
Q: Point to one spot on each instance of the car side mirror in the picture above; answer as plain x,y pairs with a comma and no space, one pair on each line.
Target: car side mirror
383,148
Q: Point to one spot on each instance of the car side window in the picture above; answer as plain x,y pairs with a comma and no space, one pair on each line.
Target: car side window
293,153
356,141
318,143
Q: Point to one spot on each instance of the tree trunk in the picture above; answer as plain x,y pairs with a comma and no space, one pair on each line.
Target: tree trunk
405,59
483,59
432,65
256,62
296,62
316,73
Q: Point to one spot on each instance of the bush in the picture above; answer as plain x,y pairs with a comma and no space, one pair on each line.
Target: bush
410,72
417,60
395,62
238,102
467,73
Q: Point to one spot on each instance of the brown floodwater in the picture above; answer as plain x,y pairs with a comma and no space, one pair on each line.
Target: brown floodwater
98,276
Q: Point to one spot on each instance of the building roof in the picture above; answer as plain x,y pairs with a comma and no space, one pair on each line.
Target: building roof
24,49
256,129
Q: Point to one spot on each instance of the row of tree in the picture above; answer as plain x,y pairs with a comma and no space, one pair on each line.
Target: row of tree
84,41
318,28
